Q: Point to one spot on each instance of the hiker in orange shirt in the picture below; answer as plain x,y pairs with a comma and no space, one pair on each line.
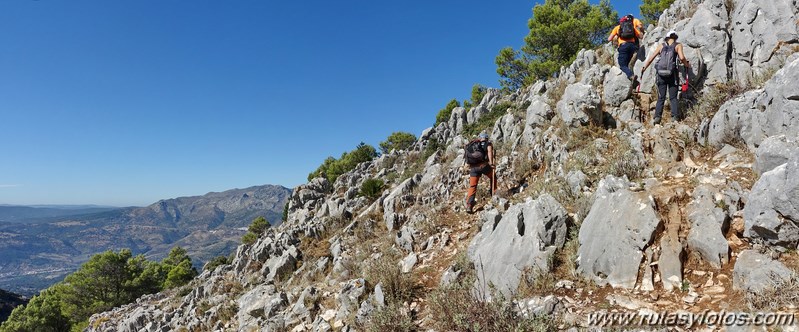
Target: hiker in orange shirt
629,31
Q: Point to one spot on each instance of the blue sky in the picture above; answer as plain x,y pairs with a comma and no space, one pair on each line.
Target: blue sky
127,102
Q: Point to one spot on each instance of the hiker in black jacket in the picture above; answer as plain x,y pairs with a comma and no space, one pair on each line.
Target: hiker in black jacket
478,159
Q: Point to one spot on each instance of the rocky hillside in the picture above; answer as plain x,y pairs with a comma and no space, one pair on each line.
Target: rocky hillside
39,253
599,210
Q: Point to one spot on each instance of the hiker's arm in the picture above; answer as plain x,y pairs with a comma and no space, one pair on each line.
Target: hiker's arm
612,34
639,26
491,154
651,57
681,55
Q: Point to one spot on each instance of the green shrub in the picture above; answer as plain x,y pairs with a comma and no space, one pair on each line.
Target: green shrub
430,148
478,92
332,168
257,227
215,263
444,114
105,281
397,140
652,9
558,30
372,188
249,238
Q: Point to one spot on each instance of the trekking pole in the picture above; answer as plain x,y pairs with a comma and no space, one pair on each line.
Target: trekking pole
493,181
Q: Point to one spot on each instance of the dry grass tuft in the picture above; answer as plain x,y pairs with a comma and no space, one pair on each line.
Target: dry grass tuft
777,296
456,308
391,318
398,287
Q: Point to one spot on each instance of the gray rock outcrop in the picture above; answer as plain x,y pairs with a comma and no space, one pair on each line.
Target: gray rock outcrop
762,32
524,238
708,224
754,272
772,211
773,152
579,105
615,234
617,87
758,114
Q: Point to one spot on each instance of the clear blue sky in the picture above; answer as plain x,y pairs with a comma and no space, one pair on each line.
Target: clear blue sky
127,102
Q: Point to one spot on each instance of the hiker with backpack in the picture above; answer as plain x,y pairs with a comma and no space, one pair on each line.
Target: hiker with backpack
629,32
478,159
667,75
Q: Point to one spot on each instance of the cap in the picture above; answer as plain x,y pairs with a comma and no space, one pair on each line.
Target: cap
671,33
483,135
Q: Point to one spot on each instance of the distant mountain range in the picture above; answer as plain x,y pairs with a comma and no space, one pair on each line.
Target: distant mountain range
34,213
40,245
8,301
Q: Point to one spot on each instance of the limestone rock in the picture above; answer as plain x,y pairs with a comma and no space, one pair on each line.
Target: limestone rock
525,237
617,87
733,120
579,105
758,114
708,224
754,272
761,32
400,196
670,264
576,180
772,210
615,234
774,151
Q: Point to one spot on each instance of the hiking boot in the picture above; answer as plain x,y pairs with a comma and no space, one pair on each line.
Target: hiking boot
656,121
469,209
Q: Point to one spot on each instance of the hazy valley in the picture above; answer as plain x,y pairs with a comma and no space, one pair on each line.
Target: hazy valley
40,245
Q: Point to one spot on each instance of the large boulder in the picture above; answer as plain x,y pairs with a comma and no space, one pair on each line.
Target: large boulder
617,87
457,120
778,106
762,31
755,272
733,121
579,105
758,114
524,238
773,152
539,113
772,212
615,234
663,145
708,224
706,31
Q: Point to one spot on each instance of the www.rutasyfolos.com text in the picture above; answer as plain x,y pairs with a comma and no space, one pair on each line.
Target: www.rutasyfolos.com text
691,319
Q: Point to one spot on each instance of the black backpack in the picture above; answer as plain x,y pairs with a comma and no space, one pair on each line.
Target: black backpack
476,152
626,27
667,63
